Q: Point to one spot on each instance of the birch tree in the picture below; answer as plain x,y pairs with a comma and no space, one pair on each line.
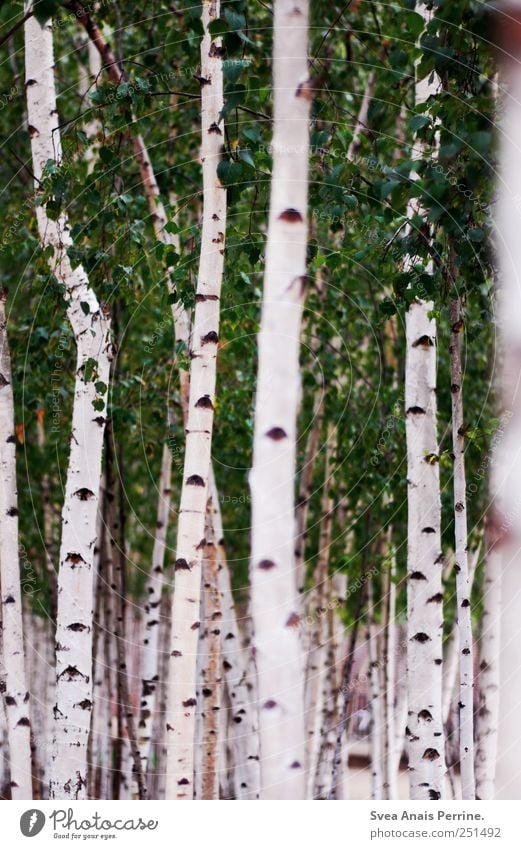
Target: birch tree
14,684
505,495
489,680
273,580
424,556
203,352
90,325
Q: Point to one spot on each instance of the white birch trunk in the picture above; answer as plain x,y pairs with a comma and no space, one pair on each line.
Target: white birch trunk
489,680
90,325
244,737
424,556
191,521
150,669
273,580
506,493
15,695
450,662
375,692
212,677
461,566
424,591
390,789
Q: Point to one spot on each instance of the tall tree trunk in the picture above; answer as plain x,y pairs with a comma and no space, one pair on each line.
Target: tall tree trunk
273,582
345,693
389,675
244,737
489,680
317,670
375,692
150,669
15,692
191,521
466,654
424,585
424,556
212,677
450,662
90,326
47,522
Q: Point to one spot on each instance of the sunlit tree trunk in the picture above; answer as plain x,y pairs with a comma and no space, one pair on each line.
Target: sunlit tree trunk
204,339
15,692
72,710
273,580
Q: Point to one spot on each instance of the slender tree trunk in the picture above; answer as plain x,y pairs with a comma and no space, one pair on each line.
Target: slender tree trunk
150,670
466,663
489,679
273,582
318,667
47,522
424,556
361,121
345,694
212,690
450,663
191,521
424,594
90,325
389,674
15,694
306,488
244,737
375,691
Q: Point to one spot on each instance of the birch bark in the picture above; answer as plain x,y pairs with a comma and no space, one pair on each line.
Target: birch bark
15,693
424,557
191,521
273,580
91,332
489,679
461,566
237,673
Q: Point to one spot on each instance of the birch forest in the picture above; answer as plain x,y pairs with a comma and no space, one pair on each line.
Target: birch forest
260,405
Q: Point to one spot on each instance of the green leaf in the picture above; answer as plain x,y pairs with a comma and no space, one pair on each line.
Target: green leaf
85,308
44,10
229,172
217,27
419,121
98,404
89,369
100,387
